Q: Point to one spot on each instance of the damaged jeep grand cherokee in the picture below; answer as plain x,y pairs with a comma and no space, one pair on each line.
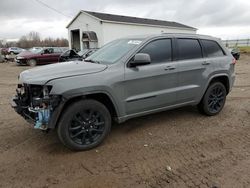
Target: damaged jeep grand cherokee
126,78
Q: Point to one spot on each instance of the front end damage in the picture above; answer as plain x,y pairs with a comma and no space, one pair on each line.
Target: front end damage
36,105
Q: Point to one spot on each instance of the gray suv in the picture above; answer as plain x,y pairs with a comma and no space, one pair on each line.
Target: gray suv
126,78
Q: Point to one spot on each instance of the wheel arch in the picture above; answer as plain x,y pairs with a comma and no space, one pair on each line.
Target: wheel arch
223,78
102,97
30,58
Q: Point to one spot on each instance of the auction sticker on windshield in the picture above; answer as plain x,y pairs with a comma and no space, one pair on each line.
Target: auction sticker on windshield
136,42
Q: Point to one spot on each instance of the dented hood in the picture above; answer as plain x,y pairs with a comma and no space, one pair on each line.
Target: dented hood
41,75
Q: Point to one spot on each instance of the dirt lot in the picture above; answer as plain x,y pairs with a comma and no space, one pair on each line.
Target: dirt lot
178,148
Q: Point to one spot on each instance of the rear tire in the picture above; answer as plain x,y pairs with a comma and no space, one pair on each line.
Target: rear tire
214,99
32,62
84,125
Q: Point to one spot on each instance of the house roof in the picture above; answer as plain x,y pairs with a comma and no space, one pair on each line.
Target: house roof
134,20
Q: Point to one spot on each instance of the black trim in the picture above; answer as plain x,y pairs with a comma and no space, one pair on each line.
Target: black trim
56,114
174,49
202,49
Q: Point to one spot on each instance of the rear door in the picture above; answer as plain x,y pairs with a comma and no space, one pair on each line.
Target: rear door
191,66
152,86
213,54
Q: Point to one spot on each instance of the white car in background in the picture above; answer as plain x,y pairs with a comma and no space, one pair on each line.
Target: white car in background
15,50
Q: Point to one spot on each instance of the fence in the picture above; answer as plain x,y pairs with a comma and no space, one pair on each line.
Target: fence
239,42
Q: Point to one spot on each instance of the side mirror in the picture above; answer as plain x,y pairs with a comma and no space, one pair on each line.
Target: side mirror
140,59
85,56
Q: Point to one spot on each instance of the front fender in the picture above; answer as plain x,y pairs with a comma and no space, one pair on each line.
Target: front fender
93,90
77,93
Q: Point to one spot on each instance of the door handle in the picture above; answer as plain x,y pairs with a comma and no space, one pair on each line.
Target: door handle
169,68
205,63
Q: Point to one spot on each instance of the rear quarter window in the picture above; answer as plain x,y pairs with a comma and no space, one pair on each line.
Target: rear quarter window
57,50
188,49
212,48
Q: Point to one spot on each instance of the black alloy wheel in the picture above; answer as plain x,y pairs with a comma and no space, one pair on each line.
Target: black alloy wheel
84,125
214,99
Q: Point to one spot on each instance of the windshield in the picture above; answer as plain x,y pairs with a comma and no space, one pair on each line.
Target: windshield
113,51
81,53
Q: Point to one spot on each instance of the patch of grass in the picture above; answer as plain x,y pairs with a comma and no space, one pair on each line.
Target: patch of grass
244,49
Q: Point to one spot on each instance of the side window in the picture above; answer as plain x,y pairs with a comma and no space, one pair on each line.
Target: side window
188,49
46,51
51,50
57,50
159,50
211,48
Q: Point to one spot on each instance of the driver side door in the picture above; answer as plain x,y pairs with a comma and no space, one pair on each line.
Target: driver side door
153,86
44,56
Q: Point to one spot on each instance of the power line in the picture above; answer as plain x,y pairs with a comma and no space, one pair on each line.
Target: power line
51,8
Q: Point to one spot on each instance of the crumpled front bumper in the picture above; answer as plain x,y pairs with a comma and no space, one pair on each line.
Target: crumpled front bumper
23,110
32,115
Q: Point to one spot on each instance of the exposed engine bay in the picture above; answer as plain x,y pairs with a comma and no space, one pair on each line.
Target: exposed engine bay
34,103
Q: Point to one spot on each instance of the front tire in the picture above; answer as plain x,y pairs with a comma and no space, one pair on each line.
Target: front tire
32,62
84,125
214,99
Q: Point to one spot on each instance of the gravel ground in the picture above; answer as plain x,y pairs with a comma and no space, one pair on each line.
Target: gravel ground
177,148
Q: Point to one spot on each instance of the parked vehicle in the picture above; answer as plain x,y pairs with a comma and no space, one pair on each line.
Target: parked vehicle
72,55
126,78
15,50
235,52
42,56
4,51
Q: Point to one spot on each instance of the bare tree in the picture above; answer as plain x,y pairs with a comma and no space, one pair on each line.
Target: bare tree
33,36
23,42
33,39
11,44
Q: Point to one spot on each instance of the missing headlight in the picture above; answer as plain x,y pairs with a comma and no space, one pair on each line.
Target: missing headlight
46,91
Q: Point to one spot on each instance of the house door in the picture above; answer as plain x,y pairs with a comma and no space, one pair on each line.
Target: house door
75,40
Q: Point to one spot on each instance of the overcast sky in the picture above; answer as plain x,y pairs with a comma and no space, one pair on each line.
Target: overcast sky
226,19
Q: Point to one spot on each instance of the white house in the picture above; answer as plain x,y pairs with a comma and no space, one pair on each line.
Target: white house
93,29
